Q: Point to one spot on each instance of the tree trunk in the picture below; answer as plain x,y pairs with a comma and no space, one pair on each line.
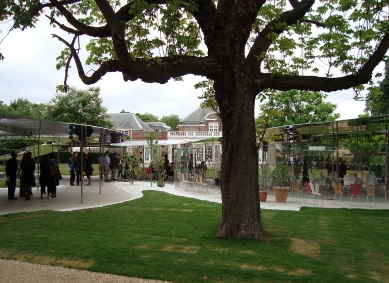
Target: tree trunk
241,215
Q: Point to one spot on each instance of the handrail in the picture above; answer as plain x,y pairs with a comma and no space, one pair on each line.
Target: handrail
182,134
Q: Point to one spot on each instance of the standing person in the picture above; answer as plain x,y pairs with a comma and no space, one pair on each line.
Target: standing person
107,162
11,168
28,181
44,177
209,158
342,168
88,168
190,163
115,167
305,172
202,171
120,172
21,175
54,182
78,169
71,169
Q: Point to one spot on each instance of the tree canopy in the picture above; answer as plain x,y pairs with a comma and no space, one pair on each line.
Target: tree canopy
299,107
147,117
79,106
377,100
23,107
244,46
171,121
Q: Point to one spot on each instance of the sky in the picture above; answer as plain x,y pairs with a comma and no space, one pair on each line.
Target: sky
28,71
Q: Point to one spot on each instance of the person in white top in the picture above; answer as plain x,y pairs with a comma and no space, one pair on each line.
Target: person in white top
106,166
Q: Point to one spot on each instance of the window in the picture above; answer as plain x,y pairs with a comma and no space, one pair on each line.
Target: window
147,154
213,126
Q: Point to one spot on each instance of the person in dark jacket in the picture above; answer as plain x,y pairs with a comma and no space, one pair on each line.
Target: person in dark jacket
190,163
11,169
71,169
44,177
115,166
54,182
78,168
88,168
28,180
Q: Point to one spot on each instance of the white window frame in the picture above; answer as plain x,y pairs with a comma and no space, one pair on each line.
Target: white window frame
213,126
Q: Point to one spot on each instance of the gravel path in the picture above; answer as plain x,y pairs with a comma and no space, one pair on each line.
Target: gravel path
12,271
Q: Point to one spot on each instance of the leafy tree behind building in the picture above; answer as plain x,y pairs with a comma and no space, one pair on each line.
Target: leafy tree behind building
79,106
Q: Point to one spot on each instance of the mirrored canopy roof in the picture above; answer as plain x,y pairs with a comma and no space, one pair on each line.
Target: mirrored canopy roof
375,125
12,125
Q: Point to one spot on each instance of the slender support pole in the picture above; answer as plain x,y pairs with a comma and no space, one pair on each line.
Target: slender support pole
82,161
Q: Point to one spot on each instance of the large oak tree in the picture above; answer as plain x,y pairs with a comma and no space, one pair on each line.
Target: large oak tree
250,46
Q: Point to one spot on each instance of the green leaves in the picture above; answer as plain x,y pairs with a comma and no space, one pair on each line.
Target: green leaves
23,107
297,107
208,95
147,117
79,106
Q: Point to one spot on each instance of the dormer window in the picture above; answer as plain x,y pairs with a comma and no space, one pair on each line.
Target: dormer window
213,126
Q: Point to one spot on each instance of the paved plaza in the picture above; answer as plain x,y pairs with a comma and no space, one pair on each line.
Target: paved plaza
108,193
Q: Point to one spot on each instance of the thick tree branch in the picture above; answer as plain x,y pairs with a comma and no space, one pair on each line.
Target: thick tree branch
318,24
108,66
263,41
35,12
313,83
203,15
169,68
117,33
63,27
162,72
101,32
224,7
241,19
206,18
294,3
68,64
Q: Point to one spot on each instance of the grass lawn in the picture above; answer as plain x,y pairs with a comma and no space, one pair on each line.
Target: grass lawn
172,238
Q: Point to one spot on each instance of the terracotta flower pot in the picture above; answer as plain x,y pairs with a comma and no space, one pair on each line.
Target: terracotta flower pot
262,196
281,193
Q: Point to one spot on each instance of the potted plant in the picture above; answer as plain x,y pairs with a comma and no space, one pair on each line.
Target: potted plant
161,182
264,181
281,182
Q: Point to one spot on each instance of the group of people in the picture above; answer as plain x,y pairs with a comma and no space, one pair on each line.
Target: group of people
49,176
339,166
78,167
112,163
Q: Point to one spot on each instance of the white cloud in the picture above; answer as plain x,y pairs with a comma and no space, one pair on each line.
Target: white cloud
347,107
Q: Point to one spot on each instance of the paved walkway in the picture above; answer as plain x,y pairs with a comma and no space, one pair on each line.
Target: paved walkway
69,198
